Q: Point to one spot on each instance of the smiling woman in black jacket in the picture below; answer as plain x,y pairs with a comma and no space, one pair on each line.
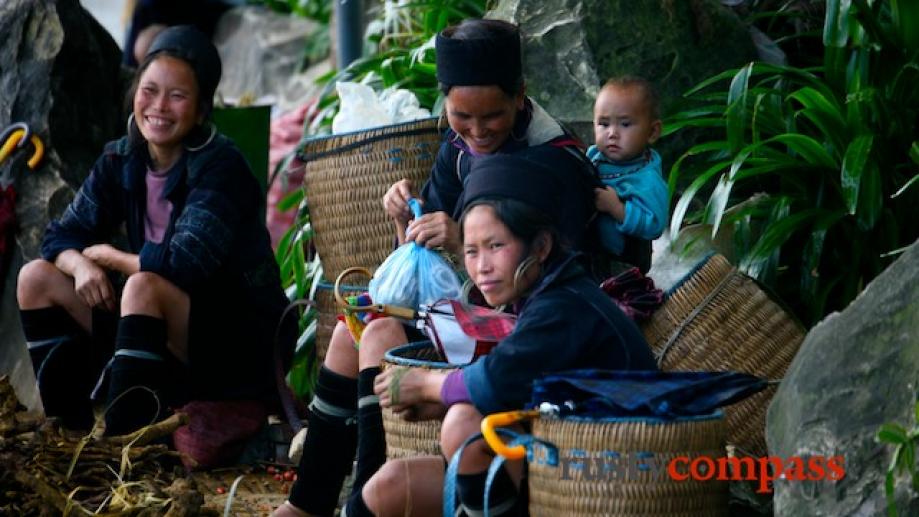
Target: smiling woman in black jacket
196,316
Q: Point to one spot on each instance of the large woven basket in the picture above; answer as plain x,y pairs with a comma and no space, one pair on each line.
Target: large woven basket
719,319
619,467
408,439
346,178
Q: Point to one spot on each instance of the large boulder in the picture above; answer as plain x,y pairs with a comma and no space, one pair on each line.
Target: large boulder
60,73
572,46
856,370
262,53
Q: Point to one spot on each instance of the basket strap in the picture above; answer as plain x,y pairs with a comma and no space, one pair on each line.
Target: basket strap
292,407
527,440
692,315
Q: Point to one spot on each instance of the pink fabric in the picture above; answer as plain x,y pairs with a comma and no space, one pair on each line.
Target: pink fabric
217,431
286,132
156,217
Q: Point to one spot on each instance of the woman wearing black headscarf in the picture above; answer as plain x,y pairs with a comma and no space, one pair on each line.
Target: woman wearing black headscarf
480,73
197,314
514,256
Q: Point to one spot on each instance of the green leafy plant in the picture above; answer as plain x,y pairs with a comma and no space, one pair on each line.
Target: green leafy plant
834,148
299,274
903,459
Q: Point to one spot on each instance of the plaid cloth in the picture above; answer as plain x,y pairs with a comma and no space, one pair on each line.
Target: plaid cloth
606,393
634,293
482,323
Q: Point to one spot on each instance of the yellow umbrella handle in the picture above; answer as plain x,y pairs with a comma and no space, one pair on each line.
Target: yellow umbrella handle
490,422
13,141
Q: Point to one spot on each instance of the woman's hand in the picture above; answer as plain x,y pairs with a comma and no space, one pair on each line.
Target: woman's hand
400,387
435,229
92,285
109,257
395,202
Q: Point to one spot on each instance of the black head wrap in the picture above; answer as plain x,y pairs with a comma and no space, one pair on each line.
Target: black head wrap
194,47
491,60
511,176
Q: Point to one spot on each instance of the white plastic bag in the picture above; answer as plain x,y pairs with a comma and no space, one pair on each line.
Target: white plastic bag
361,108
413,276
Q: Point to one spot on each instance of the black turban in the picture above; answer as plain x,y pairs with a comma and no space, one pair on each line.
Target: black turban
494,60
194,47
511,176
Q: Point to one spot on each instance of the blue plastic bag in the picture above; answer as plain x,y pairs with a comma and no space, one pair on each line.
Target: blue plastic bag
413,275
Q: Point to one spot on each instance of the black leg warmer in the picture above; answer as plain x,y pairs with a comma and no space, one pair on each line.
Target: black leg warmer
331,439
59,350
139,375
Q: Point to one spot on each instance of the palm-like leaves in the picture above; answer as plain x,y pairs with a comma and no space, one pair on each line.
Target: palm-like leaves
834,148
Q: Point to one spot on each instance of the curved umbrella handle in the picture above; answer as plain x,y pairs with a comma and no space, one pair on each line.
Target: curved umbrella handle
490,422
390,310
16,139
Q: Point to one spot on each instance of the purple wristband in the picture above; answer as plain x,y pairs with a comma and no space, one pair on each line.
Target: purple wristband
454,389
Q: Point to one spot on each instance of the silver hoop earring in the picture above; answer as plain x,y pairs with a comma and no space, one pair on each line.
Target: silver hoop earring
522,270
206,142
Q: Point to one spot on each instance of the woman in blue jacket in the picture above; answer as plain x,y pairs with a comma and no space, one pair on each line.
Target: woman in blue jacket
513,255
202,297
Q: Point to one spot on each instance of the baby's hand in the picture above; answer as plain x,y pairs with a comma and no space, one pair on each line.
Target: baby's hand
608,202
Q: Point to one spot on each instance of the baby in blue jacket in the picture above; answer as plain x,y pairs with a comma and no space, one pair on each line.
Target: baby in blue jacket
634,201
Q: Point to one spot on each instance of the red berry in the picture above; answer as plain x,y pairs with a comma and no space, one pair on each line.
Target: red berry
295,476
271,470
278,477
221,490
289,475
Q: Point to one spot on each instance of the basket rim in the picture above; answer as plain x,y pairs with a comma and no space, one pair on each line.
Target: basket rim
391,357
717,414
374,134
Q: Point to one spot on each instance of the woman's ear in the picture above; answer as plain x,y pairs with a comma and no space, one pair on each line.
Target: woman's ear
543,246
519,101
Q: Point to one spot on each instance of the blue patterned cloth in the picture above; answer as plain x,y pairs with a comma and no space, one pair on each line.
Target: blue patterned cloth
609,393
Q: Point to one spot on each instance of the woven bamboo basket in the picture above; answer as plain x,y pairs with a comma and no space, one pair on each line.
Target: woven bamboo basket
618,466
328,310
346,178
408,439
719,319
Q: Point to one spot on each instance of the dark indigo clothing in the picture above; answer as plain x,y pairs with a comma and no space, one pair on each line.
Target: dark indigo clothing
560,327
216,249
543,140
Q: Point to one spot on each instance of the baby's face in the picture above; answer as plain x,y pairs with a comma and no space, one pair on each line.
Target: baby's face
623,126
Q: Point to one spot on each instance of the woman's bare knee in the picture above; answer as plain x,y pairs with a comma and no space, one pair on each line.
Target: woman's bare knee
150,294
384,492
341,357
38,282
461,422
380,336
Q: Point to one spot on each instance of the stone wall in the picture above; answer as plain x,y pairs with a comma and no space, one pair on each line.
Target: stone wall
60,73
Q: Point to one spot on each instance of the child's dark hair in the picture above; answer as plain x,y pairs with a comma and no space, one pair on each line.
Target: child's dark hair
524,221
651,96
482,29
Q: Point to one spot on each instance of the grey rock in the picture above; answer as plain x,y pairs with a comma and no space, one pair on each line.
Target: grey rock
572,46
60,72
856,370
262,53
